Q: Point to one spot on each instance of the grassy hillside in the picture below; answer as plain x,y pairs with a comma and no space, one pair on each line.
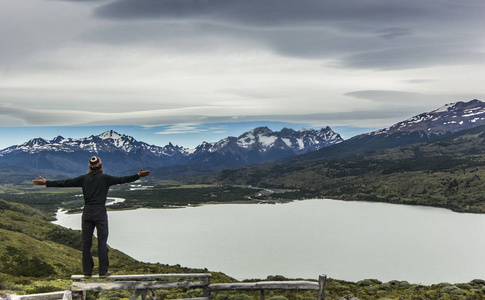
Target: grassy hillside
449,172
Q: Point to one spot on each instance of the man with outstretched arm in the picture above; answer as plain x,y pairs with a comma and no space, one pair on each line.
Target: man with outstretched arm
95,185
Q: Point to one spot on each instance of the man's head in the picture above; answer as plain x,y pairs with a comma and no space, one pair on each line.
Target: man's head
95,164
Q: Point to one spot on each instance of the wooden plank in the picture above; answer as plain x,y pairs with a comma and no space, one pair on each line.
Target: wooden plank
142,276
133,285
44,296
266,285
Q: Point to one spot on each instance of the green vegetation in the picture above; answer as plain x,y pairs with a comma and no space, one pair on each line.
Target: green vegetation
180,195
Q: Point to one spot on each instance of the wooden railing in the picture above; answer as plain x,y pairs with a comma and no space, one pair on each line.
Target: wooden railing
145,286
275,285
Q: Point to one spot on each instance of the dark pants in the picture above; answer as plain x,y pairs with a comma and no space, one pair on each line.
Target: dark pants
95,216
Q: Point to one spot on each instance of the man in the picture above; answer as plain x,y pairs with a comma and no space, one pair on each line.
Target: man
95,186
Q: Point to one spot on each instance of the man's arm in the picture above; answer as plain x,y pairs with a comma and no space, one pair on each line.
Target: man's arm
119,180
73,182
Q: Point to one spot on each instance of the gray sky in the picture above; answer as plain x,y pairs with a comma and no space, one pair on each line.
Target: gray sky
182,63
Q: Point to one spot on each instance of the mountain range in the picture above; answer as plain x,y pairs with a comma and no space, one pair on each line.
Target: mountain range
434,159
121,153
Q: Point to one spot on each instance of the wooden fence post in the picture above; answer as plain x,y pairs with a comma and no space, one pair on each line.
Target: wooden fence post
78,295
322,282
207,290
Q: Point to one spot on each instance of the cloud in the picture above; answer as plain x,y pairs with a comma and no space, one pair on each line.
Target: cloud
396,97
391,33
419,80
413,56
189,120
166,62
190,128
261,12
370,34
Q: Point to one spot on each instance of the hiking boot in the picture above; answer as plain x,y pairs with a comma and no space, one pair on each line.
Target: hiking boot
105,275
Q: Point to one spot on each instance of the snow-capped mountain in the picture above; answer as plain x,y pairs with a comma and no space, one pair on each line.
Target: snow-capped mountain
263,144
121,152
109,141
448,118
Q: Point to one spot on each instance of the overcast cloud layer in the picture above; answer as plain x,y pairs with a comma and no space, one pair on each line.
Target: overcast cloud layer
166,62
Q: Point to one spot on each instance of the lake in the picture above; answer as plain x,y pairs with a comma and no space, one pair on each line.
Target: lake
302,239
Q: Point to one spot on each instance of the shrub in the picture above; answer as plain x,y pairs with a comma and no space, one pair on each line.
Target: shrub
404,285
222,297
38,289
367,282
278,298
441,285
477,282
276,278
453,290
162,294
241,297
385,286
464,286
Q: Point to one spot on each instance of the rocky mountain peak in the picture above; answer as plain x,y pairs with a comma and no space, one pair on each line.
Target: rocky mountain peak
58,139
37,142
110,134
260,131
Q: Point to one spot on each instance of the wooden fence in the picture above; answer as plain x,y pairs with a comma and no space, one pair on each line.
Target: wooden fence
145,286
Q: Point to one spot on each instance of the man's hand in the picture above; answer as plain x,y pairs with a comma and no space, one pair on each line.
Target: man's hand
143,173
40,181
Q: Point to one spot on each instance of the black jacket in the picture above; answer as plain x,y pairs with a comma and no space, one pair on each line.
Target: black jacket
95,185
